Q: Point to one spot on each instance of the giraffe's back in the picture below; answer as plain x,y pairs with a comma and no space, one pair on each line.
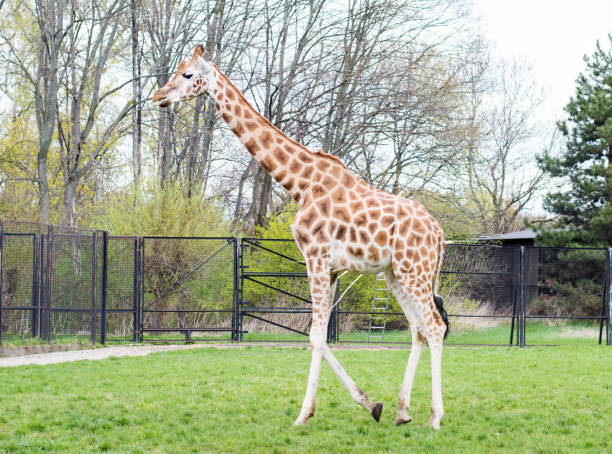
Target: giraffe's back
358,227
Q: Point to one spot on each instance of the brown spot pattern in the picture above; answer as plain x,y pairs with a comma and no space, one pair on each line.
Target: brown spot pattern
266,139
341,214
281,156
305,158
252,146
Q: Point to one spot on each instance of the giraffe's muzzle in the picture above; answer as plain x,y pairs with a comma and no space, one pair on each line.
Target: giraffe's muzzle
161,98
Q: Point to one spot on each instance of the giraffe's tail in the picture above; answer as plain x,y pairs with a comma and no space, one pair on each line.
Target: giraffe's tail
438,299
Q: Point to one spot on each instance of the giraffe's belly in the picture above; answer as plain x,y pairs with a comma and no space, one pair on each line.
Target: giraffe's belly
372,259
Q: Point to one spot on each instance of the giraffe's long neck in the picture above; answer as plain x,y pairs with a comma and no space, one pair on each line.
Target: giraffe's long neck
283,158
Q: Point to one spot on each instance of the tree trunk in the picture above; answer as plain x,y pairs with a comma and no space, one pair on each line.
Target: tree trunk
70,213
136,93
164,147
43,187
262,188
50,22
243,178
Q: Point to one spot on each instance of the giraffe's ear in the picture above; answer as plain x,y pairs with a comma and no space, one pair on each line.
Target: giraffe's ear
198,51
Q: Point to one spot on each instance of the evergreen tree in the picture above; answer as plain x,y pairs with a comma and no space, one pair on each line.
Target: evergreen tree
583,202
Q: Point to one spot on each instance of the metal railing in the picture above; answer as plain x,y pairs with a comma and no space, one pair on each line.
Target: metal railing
85,286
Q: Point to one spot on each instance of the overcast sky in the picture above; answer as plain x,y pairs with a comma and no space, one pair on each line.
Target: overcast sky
553,34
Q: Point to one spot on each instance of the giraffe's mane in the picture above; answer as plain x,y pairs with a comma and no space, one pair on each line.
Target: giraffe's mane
334,158
243,99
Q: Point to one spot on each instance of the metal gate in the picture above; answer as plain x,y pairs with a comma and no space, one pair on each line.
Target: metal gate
120,314
188,289
274,298
75,288
479,284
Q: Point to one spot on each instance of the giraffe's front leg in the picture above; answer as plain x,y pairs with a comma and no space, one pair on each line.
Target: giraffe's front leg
322,289
308,405
319,280
375,408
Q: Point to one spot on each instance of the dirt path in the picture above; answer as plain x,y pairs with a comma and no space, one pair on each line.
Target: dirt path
92,354
143,350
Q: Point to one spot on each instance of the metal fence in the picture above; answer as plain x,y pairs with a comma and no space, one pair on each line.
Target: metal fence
53,283
83,286
187,289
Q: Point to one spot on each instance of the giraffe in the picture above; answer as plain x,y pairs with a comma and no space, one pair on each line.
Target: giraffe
343,223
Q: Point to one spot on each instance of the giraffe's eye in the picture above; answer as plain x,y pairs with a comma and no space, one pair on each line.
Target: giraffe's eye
187,75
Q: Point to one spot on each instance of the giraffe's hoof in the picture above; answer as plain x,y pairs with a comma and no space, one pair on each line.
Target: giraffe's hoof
302,419
436,417
400,421
377,410
434,425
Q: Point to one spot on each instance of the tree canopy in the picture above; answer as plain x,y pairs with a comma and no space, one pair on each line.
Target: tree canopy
406,93
583,199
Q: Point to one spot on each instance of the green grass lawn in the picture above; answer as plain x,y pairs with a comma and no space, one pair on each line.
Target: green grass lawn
245,400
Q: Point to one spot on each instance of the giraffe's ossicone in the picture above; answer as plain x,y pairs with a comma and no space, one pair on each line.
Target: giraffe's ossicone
343,223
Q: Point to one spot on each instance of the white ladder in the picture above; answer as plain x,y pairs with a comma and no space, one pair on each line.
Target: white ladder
380,307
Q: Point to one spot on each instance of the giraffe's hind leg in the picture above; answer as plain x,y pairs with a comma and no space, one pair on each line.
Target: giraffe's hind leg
416,298
435,339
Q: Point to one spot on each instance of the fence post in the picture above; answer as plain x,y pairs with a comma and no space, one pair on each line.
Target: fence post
35,284
332,334
104,286
337,317
522,296
94,282
609,299
239,303
1,271
42,292
514,325
137,246
235,334
48,271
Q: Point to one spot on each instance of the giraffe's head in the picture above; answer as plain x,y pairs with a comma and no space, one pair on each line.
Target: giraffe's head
192,79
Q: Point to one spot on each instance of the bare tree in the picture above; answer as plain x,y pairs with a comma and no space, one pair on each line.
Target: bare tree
425,119
291,29
230,29
136,93
83,136
327,80
501,176
169,27
377,84
50,23
43,78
